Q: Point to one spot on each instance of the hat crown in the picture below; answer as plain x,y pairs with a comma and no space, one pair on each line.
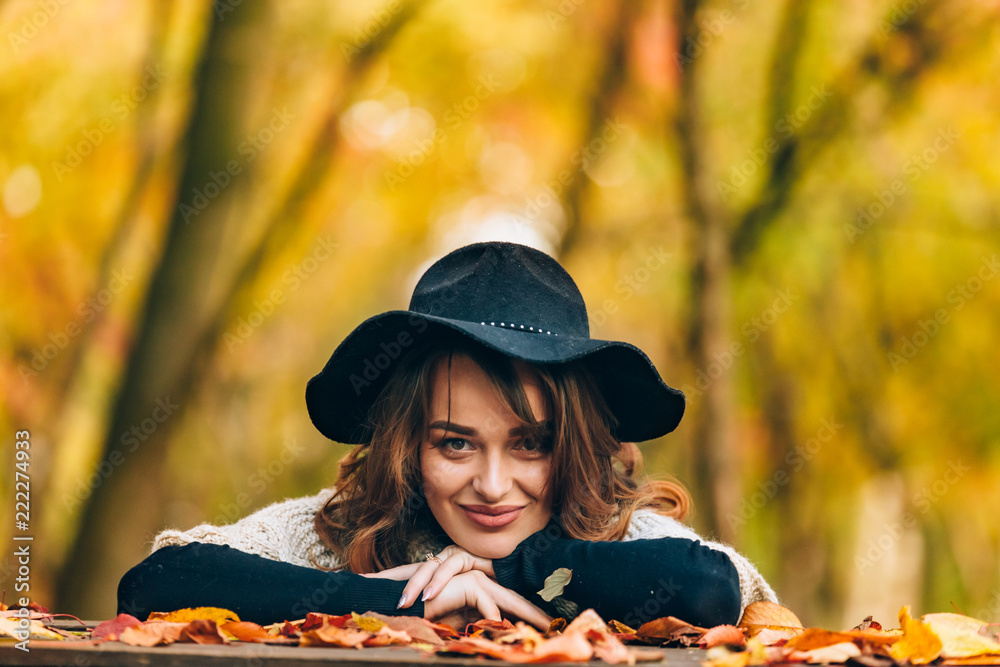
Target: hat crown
503,284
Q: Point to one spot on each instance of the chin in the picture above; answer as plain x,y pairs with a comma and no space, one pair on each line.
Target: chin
491,550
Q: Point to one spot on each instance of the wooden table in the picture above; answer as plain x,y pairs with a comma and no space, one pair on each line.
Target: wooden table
113,654
258,655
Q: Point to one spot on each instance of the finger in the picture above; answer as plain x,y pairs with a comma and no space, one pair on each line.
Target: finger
514,604
422,574
444,572
487,607
400,573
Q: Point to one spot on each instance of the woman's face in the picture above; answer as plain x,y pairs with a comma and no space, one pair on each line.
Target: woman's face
485,482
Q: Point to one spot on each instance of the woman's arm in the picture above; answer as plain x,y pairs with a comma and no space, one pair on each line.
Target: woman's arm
258,589
633,582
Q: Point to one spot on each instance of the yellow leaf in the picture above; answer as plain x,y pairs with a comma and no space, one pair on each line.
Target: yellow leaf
919,644
960,636
189,614
367,623
555,583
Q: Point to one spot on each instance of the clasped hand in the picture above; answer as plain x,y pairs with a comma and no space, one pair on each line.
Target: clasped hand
458,581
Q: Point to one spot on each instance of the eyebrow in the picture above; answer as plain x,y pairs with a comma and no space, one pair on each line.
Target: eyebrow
468,430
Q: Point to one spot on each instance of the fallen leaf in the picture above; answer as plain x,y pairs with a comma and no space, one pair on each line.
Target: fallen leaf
814,638
763,615
491,628
771,637
565,647
723,656
420,629
557,625
11,628
621,628
114,627
960,636
669,629
728,635
385,636
246,631
202,631
367,623
832,653
331,635
918,644
195,613
767,613
555,583
152,633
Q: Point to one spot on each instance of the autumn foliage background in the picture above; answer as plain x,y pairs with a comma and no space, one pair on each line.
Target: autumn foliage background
791,206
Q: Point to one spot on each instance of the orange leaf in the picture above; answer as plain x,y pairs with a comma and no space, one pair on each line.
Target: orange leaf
331,635
728,635
245,631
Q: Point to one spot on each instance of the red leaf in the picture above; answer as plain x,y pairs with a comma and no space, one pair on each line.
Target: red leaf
114,627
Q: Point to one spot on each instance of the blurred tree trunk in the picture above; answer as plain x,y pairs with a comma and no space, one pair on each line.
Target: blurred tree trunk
716,487
196,268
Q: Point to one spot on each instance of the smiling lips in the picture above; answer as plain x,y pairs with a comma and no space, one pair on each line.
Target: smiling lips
492,517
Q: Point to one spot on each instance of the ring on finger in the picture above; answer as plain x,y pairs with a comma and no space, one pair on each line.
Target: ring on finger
431,558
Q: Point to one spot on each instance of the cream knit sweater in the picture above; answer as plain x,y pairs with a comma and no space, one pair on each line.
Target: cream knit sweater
284,532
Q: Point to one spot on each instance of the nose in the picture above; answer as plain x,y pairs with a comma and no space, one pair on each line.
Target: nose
494,478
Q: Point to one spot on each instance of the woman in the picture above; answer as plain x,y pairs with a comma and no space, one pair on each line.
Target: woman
494,448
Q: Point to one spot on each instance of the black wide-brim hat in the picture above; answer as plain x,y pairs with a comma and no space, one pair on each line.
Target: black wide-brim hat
510,298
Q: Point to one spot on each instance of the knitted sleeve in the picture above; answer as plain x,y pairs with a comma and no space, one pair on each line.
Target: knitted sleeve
282,531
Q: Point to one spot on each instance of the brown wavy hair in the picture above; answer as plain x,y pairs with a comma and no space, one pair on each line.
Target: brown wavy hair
379,494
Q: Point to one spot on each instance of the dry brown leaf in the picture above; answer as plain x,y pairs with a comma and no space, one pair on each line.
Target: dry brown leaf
669,629
202,631
919,644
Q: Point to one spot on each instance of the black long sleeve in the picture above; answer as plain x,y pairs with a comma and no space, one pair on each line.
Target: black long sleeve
633,582
256,588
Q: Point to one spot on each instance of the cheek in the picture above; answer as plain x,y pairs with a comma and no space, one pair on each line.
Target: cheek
536,478
440,477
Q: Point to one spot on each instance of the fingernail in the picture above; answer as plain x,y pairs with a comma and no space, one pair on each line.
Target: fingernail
402,601
426,594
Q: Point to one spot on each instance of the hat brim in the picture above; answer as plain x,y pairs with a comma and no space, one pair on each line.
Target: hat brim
643,404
